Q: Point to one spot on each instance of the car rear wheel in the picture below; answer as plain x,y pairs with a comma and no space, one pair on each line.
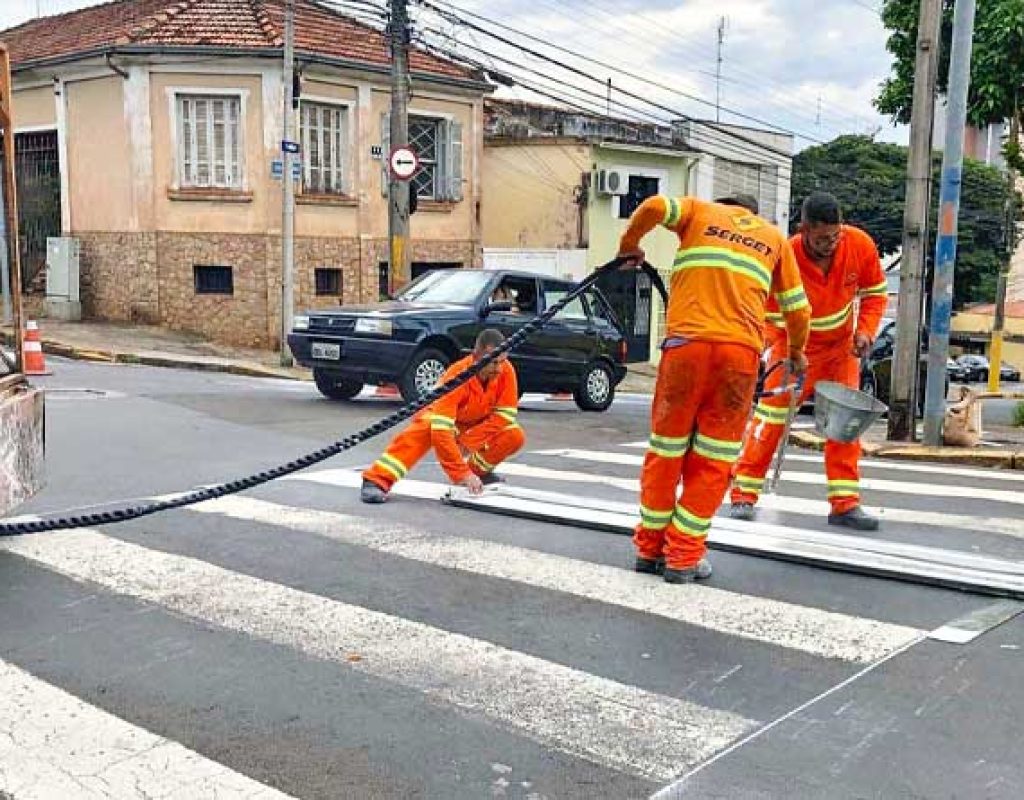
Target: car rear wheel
336,387
595,391
423,373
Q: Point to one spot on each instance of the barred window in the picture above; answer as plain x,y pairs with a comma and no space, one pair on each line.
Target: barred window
328,281
437,143
324,136
209,141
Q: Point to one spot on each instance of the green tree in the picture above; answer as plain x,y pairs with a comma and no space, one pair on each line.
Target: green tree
997,64
870,180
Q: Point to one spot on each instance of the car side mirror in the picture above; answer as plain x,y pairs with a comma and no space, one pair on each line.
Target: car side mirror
496,308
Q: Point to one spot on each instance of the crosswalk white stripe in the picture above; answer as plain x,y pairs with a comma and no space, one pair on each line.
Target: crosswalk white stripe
871,484
53,745
979,473
620,726
810,630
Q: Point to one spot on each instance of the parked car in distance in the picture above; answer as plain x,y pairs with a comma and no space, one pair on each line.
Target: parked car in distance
1008,372
411,340
876,369
955,372
976,366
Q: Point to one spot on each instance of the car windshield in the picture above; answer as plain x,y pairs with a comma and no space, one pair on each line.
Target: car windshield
458,287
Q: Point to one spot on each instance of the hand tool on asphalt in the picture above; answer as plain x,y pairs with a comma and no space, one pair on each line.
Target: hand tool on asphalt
796,392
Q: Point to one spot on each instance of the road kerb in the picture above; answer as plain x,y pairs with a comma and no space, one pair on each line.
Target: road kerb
979,457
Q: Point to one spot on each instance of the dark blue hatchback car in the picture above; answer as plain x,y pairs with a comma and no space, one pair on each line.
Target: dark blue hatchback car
411,340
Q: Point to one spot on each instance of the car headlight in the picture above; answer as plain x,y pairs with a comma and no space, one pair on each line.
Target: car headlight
380,327
300,322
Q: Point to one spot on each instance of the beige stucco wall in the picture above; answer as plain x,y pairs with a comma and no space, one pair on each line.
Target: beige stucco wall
99,150
34,108
1013,352
527,194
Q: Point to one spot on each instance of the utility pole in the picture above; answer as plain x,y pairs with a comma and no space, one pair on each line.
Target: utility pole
915,226
949,211
288,214
718,70
995,353
398,191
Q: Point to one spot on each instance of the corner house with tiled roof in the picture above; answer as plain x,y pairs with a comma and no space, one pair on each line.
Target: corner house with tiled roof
147,130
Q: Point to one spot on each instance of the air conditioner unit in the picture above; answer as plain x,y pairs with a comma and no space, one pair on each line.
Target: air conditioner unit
612,182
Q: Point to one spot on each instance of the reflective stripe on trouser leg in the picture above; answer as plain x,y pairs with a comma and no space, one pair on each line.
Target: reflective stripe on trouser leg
498,447
401,456
760,444
842,459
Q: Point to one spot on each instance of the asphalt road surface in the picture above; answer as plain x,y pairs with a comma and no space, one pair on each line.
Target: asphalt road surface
293,642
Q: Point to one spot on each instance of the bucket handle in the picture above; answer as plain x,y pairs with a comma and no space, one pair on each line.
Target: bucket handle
796,386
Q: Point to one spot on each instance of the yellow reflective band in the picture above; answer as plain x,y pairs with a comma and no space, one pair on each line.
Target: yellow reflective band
843,488
691,524
669,446
672,212
505,414
833,321
439,423
655,520
750,483
514,426
479,461
721,258
793,300
717,449
392,465
770,414
776,319
881,288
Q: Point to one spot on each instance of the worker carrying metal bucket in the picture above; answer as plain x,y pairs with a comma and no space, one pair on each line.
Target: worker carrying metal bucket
473,428
728,263
839,266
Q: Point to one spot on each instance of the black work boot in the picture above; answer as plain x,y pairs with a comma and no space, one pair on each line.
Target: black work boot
700,572
856,519
743,511
372,493
491,478
649,566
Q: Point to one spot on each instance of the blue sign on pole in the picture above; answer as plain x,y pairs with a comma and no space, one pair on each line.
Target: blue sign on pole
289,147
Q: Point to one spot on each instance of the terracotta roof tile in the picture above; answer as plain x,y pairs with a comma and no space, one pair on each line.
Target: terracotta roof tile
242,24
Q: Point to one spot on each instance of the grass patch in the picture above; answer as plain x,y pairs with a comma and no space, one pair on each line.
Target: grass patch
1018,415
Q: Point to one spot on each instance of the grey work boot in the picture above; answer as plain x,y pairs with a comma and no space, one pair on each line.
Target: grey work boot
743,511
855,518
372,493
491,478
649,566
700,572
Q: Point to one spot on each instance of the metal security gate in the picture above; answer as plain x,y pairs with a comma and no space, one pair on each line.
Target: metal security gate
37,172
629,294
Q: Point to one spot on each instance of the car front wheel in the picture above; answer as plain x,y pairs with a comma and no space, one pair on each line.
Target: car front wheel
423,373
596,390
336,387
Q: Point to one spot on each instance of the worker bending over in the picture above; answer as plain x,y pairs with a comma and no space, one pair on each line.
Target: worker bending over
729,261
473,428
838,264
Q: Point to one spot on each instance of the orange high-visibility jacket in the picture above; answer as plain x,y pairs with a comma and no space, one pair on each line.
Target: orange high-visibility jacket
466,407
856,272
729,261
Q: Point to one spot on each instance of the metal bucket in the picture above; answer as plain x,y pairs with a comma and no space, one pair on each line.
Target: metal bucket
843,414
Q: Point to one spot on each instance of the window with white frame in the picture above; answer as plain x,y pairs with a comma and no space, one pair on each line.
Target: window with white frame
209,141
324,140
437,142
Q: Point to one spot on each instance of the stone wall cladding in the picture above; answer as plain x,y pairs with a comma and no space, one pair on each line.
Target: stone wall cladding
119,276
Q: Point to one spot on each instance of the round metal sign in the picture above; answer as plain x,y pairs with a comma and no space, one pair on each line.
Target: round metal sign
403,162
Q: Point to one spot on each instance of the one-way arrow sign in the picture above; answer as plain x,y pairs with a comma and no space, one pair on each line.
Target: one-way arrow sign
403,162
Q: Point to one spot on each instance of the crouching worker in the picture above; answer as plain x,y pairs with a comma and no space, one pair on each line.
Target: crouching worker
473,429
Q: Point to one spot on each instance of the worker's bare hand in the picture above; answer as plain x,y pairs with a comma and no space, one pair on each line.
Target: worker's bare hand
861,345
633,258
473,484
796,364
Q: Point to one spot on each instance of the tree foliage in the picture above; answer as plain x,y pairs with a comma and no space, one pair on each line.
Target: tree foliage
870,180
996,92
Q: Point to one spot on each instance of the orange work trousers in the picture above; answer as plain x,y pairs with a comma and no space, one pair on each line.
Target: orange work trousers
842,468
485,445
701,404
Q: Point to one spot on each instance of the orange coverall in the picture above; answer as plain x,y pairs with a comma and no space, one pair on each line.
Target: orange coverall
855,272
473,429
728,262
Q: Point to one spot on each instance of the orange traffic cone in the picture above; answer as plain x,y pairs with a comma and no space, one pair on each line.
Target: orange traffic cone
387,390
32,351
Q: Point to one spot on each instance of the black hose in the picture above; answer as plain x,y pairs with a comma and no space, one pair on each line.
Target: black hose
93,519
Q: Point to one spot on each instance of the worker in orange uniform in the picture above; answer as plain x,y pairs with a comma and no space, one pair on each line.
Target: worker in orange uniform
473,428
729,261
838,264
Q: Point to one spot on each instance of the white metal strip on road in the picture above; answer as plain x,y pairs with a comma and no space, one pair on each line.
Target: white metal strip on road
620,726
810,630
980,473
871,484
53,745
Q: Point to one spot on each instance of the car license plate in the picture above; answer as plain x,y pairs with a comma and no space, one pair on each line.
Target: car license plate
326,352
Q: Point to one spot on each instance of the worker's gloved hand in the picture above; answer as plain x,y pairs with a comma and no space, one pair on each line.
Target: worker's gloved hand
796,364
861,344
473,483
634,258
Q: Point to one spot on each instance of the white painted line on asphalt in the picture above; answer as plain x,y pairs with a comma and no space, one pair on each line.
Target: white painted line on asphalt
810,630
870,484
620,726
970,626
53,745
